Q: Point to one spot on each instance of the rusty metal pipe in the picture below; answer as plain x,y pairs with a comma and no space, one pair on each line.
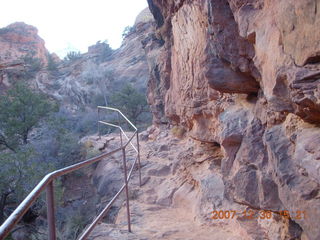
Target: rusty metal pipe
126,186
99,133
50,212
89,229
120,130
139,163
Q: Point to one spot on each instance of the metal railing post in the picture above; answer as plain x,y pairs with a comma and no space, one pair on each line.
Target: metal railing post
99,133
139,164
126,186
50,212
120,131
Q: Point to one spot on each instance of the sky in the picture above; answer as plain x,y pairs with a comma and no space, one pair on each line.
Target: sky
73,25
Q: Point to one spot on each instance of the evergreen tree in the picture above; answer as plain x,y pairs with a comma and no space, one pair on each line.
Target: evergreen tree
21,109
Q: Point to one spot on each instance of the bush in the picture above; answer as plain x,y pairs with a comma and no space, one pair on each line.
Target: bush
127,31
97,100
87,123
96,74
21,109
130,102
178,131
20,173
58,140
32,66
52,64
73,223
72,56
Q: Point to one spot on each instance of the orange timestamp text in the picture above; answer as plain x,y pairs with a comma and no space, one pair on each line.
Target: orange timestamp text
257,214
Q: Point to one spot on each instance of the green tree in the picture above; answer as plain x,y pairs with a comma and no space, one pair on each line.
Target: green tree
127,30
130,102
12,165
21,109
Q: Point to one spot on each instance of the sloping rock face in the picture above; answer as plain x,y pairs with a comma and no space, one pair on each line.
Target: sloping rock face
91,76
244,75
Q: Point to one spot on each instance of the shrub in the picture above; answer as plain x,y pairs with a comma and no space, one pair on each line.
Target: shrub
32,66
87,123
52,64
130,102
98,100
127,31
20,173
72,56
59,141
178,131
21,109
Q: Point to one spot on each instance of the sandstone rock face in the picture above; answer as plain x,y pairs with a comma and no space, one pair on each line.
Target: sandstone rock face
244,75
19,39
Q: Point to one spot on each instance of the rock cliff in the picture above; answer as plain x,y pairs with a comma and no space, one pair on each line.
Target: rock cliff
83,81
243,77
18,40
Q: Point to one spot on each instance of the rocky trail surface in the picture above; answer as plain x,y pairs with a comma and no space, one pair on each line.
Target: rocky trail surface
170,204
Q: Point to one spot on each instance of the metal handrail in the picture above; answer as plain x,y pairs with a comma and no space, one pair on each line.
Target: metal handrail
123,132
47,182
117,110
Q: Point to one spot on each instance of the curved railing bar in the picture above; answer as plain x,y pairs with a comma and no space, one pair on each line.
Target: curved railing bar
47,181
110,124
117,110
126,136
122,131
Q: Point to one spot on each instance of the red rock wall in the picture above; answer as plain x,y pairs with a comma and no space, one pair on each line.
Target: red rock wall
245,74
19,39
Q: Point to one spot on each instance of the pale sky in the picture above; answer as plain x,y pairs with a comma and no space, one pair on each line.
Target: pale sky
73,24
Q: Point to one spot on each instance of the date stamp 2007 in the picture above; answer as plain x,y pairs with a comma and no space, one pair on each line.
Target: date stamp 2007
257,214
